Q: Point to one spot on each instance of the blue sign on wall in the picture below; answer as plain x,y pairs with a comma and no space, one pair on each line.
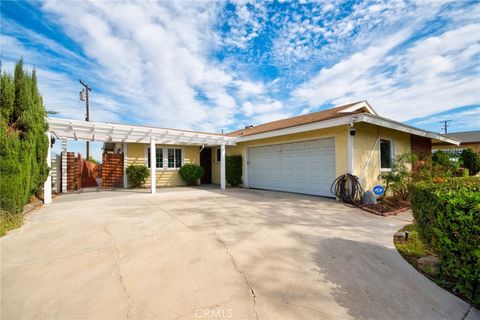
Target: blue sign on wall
378,190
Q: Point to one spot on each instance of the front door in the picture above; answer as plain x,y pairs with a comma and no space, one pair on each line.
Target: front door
206,164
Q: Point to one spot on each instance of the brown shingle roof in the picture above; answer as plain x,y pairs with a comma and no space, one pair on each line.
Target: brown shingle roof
296,121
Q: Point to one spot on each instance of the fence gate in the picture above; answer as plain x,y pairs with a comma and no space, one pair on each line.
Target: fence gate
112,170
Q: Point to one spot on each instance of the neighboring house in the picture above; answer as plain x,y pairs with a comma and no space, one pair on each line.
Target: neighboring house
302,154
468,139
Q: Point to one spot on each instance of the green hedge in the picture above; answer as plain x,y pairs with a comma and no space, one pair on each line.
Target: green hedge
191,172
23,143
233,170
447,214
136,175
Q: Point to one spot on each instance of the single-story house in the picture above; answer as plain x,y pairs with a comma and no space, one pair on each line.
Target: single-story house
302,154
468,139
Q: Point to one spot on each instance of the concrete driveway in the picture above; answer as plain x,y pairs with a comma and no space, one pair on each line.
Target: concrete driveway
199,253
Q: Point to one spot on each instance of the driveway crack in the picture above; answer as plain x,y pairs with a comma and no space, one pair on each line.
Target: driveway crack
467,313
239,271
119,273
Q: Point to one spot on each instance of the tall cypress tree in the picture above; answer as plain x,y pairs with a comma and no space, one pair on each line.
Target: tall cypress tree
23,143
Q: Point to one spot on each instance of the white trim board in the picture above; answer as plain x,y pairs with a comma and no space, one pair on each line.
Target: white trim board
367,118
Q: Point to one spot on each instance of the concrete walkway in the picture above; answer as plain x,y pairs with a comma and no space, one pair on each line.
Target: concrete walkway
199,253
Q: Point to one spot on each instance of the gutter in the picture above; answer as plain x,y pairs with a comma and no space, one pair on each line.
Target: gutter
387,123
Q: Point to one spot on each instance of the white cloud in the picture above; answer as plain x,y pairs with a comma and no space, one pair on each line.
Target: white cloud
250,108
248,89
246,24
433,75
156,62
154,56
464,120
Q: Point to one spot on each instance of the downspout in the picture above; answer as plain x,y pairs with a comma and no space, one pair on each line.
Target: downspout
351,145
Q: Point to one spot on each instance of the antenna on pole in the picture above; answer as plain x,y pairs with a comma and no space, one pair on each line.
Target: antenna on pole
445,125
84,97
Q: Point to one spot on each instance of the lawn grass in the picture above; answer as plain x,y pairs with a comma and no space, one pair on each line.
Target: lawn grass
9,222
414,248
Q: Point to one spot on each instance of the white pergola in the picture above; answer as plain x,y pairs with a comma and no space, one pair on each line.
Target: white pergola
78,130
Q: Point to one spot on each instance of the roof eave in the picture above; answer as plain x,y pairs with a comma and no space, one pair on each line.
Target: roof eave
367,118
376,120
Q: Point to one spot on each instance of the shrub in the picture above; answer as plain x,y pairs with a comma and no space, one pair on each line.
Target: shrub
136,175
399,177
443,158
448,217
443,167
470,161
234,170
191,172
23,143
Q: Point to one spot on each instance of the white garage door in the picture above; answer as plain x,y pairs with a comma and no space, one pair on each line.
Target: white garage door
303,167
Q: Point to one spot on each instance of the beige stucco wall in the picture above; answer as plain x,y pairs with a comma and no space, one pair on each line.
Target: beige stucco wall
166,177
339,133
367,151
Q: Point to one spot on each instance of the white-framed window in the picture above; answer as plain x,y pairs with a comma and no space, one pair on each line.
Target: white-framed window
386,154
166,157
158,155
174,157
218,155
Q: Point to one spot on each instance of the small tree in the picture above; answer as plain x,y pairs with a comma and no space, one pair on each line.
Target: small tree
470,161
191,172
136,175
399,177
23,143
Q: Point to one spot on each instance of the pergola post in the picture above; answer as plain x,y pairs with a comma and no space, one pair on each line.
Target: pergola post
64,165
47,185
222,167
153,166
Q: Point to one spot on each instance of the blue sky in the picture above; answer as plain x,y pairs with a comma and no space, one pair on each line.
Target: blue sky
223,65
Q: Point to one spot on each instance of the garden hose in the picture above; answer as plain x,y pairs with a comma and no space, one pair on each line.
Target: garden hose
347,188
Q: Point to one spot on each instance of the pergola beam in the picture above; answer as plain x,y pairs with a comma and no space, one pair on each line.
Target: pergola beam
108,132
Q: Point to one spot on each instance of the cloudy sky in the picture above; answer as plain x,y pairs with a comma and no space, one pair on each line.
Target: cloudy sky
223,65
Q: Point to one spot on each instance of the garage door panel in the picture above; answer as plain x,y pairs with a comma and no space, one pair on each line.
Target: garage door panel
303,167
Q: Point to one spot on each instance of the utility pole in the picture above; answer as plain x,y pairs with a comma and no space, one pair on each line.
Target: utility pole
84,97
445,125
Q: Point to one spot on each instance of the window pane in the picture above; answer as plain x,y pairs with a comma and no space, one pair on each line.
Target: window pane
385,154
171,158
159,156
218,155
178,158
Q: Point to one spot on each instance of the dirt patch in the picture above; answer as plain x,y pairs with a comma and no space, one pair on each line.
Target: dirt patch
387,207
